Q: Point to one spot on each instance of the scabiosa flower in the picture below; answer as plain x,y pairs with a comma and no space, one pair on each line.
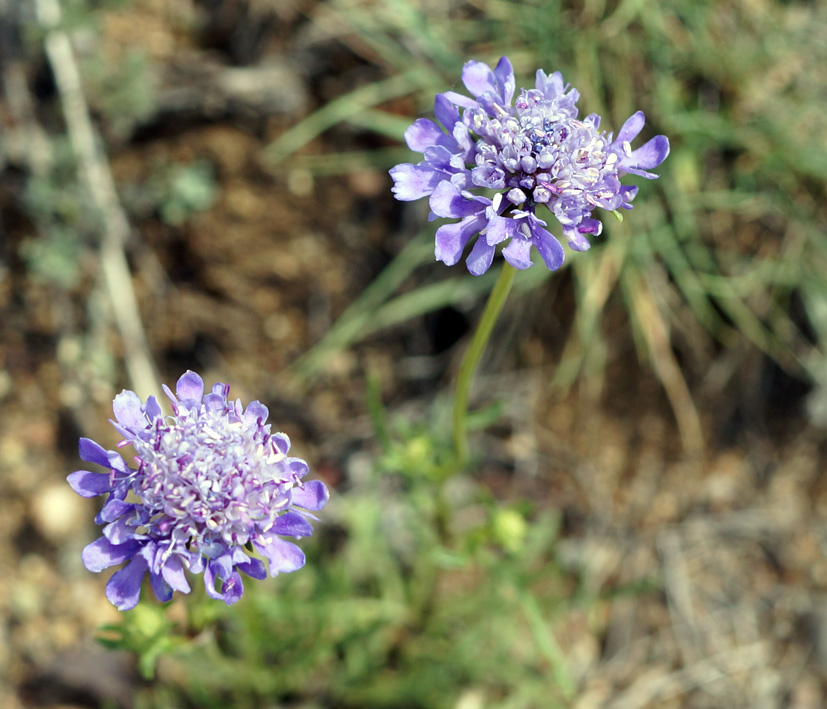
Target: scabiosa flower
531,154
210,483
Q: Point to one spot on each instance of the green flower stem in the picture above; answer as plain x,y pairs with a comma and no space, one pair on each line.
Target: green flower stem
495,303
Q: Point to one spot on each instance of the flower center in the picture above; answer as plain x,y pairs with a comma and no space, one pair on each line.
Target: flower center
208,476
539,152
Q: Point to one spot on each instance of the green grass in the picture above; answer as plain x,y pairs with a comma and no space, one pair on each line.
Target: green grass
407,612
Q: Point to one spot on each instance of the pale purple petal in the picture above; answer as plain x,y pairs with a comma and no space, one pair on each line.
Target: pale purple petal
480,258
446,113
152,408
312,495
422,134
649,155
174,575
460,100
281,442
128,410
576,239
292,524
478,78
209,583
633,125
452,238
518,253
124,588
411,182
254,568
296,467
190,387
549,248
89,484
505,79
500,229
121,531
91,452
101,554
256,411
114,508
161,589
448,201
282,556
628,193
233,589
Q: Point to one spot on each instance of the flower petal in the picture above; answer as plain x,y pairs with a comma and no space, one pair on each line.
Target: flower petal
152,408
232,589
124,588
88,484
478,78
254,568
292,524
190,387
422,134
518,253
114,508
460,100
452,238
649,155
500,229
101,554
256,411
91,452
282,556
120,532
548,247
633,125
412,182
480,258
161,589
128,409
576,239
312,495
505,79
446,113
174,575
448,201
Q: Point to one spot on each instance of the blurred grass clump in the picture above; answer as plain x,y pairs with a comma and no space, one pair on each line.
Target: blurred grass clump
719,251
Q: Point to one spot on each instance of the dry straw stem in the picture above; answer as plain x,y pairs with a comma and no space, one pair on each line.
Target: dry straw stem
652,688
98,177
656,335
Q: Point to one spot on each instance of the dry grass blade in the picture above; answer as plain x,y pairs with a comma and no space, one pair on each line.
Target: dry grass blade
656,336
101,186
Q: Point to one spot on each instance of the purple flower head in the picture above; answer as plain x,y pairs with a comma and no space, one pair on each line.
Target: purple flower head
534,153
210,483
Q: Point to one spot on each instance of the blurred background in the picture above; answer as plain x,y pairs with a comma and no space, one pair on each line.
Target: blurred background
202,184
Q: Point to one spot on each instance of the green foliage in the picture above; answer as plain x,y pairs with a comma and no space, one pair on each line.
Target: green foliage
174,191
420,592
144,631
123,92
55,201
183,190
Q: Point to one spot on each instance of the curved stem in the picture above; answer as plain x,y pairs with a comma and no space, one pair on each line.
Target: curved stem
495,303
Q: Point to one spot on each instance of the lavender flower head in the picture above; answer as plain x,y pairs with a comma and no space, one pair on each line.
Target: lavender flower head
534,153
210,481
